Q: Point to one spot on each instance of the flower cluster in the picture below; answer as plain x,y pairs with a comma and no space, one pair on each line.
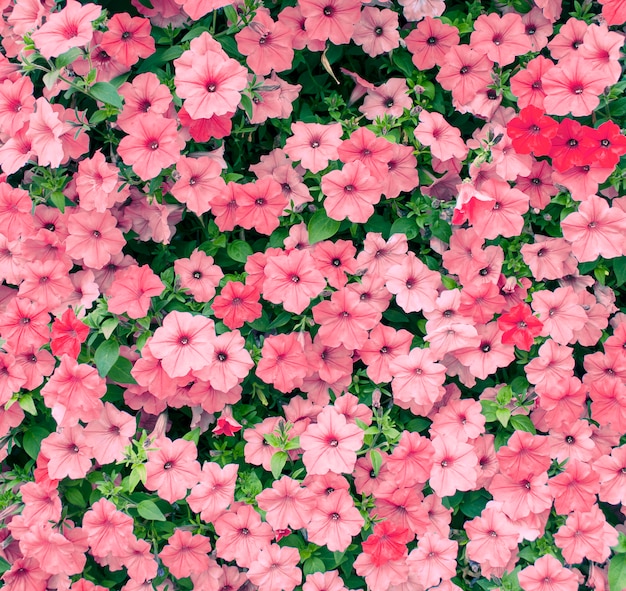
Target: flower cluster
357,326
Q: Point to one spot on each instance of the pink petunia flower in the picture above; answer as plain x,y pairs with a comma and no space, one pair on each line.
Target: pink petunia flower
172,468
183,343
276,569
313,144
153,145
330,445
70,27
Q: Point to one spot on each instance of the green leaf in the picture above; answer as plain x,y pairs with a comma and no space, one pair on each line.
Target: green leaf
31,442
239,251
149,510
617,573
246,103
172,53
58,200
281,320
503,415
489,410
473,503
98,116
108,326
120,372
321,227
404,62
50,78
74,497
377,460
106,93
137,474
67,58
4,566
105,357
313,565
620,547
277,463
405,226
193,435
619,268
522,423
27,404
504,395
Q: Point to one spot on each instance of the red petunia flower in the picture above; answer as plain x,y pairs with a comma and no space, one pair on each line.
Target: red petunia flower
532,131
520,327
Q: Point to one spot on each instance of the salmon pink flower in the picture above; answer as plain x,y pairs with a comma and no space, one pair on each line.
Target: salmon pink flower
110,434
330,19
241,535
183,343
527,84
214,492
145,94
132,291
266,44
547,574
198,275
434,558
464,72
613,11
93,237
413,284
292,280
330,445
595,230
25,574
70,27
375,152
186,554
260,204
492,536
444,140
453,468
417,377
350,193
390,98
502,38
74,392
276,569
210,82
345,319
45,129
334,521
17,104
283,362
313,144
153,144
287,504
68,453
430,42
172,468
106,528
377,31
128,39
572,87
199,181
237,304
231,362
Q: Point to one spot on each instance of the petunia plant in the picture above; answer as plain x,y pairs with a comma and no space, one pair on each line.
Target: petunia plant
312,294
